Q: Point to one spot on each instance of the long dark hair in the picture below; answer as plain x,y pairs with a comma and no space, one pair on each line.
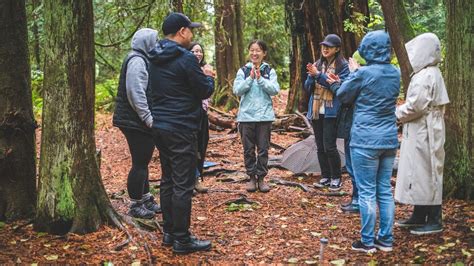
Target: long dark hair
260,43
203,61
339,60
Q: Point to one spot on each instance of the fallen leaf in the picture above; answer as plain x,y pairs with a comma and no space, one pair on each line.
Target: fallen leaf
333,227
136,263
51,257
47,245
449,245
466,253
336,247
133,248
284,226
418,244
292,260
66,247
13,242
201,218
338,262
316,234
311,262
423,250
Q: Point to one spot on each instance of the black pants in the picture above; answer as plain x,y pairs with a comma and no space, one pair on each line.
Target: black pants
141,147
178,152
325,134
255,134
203,140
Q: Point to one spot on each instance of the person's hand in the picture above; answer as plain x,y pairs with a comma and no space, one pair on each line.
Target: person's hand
353,65
312,70
207,69
333,78
257,72
252,73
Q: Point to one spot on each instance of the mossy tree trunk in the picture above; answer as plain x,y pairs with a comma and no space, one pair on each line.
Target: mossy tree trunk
229,50
401,31
17,127
309,23
459,164
71,196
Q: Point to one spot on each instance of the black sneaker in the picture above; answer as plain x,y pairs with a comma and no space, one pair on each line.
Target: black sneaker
151,205
138,210
382,246
335,184
323,182
359,246
350,208
190,246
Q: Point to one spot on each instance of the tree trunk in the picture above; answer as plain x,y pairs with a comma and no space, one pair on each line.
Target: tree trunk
401,31
310,22
229,50
36,38
71,196
17,127
459,166
177,6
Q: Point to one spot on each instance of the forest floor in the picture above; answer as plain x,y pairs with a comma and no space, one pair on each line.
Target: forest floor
282,226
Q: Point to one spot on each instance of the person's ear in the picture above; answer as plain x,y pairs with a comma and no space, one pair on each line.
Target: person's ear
181,31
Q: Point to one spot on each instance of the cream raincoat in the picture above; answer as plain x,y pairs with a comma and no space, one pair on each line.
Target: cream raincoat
420,171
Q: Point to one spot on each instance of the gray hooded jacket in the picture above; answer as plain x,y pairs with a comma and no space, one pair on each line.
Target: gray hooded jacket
144,40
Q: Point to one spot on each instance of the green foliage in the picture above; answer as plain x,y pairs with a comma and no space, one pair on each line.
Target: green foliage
37,92
428,16
233,207
105,93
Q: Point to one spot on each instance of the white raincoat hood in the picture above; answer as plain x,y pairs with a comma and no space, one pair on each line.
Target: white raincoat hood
424,50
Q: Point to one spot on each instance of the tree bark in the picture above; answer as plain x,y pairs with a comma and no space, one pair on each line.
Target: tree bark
401,31
310,22
177,6
71,196
36,38
17,126
459,165
229,50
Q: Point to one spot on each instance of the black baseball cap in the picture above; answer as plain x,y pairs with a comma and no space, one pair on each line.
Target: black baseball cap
331,40
175,21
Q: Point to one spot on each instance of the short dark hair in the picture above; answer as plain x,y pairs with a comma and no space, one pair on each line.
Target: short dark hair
203,61
260,43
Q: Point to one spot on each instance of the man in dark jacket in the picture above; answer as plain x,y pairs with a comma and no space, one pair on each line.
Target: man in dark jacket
178,87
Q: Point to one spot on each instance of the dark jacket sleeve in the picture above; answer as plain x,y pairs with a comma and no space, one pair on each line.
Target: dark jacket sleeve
202,84
309,85
343,72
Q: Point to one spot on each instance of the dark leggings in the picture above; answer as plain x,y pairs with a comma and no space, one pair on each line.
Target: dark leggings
141,147
203,140
325,134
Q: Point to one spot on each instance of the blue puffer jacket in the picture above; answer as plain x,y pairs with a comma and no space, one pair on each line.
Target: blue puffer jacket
255,96
374,90
329,111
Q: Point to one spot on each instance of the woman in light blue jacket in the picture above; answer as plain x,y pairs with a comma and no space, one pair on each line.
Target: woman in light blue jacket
255,83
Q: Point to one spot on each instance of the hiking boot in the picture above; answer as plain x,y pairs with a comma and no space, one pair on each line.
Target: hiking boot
382,246
417,218
427,229
262,186
200,188
252,184
151,205
335,184
359,246
347,203
352,208
192,245
433,224
168,239
138,210
323,182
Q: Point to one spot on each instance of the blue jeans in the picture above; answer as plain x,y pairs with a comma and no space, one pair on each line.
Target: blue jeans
373,169
355,192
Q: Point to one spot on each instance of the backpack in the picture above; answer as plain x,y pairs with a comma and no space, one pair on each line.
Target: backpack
265,72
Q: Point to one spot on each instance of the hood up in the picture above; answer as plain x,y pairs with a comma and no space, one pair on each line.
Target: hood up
424,50
144,40
375,47
165,51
